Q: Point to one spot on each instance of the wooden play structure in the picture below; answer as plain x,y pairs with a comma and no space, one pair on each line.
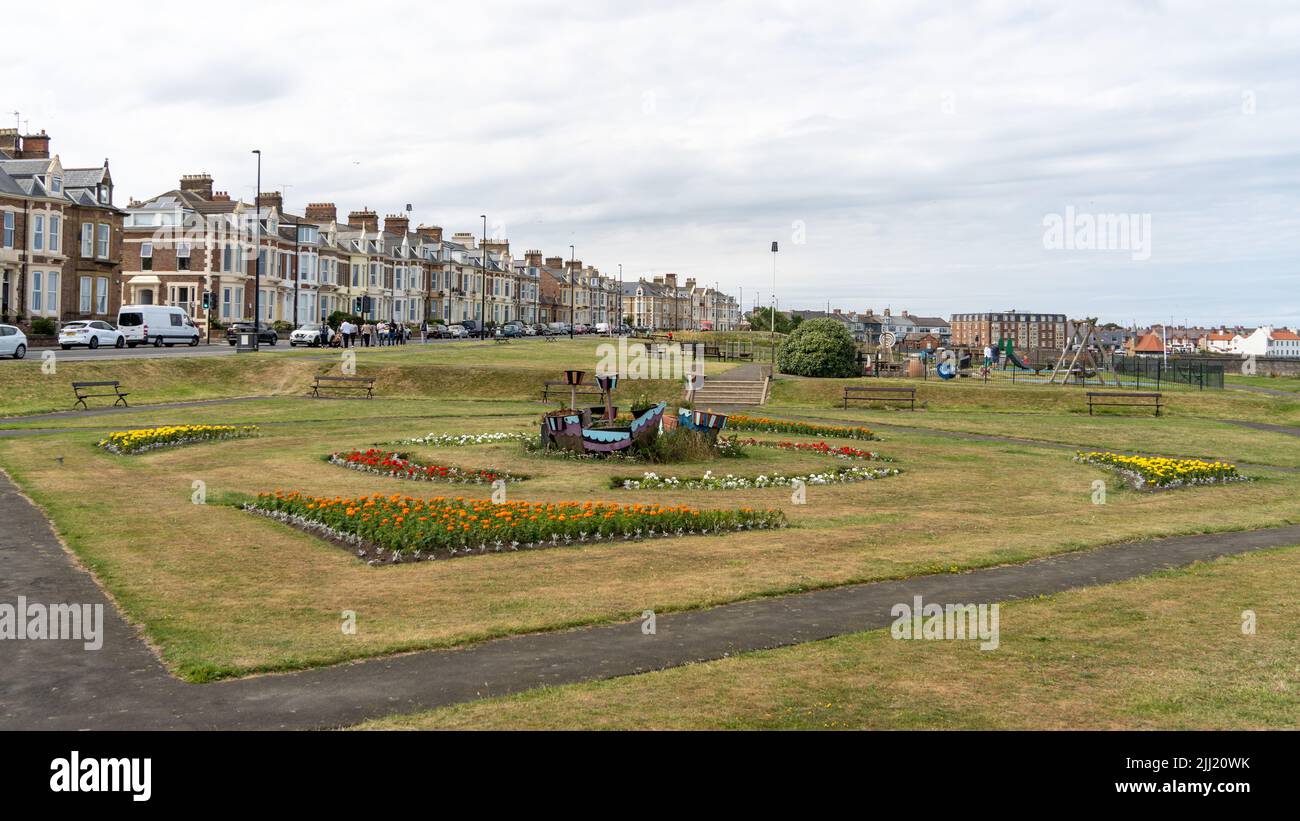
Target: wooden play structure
1082,365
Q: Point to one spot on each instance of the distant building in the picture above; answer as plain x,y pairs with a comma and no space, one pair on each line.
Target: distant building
1025,329
60,235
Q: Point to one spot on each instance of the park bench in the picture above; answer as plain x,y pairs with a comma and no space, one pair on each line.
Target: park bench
870,393
561,389
1144,400
712,351
344,383
80,388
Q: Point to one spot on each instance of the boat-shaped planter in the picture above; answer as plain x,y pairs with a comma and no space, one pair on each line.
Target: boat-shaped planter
572,430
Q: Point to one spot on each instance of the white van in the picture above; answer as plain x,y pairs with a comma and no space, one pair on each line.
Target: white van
159,324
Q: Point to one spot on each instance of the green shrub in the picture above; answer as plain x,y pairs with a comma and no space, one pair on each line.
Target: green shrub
819,347
43,326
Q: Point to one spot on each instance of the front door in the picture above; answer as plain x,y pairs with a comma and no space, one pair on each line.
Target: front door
4,293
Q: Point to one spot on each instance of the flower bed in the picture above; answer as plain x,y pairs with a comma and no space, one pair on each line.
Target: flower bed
766,425
843,475
820,448
1154,472
145,439
454,440
390,463
395,528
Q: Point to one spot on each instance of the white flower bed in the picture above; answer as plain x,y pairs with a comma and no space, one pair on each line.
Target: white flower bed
653,481
449,440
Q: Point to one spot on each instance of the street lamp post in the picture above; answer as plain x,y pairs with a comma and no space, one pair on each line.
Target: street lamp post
297,270
257,252
773,336
573,293
482,321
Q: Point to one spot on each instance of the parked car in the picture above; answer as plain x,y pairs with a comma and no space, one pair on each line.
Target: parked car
311,335
159,324
265,333
457,331
90,332
602,327
471,327
530,330
581,328
13,342
556,328
540,329
511,330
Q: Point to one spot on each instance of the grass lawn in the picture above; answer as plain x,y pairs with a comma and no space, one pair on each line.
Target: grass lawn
1165,651
470,370
221,592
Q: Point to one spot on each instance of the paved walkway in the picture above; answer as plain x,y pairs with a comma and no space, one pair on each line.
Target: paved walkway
59,685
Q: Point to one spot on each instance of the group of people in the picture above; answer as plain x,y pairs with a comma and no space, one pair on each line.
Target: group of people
374,334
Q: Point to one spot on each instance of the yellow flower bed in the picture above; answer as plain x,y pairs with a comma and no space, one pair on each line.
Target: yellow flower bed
738,421
144,439
1159,472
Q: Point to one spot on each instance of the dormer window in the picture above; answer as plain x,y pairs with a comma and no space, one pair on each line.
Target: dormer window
56,185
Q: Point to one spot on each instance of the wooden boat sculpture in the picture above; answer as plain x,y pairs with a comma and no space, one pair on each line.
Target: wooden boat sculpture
706,422
571,429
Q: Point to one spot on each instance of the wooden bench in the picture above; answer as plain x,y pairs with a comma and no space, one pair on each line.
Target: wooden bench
713,351
869,393
344,383
1143,400
79,388
562,388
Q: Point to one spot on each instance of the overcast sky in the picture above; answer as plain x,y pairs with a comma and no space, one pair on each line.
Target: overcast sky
909,155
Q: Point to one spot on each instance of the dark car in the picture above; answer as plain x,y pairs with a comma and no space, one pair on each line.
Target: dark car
265,333
512,330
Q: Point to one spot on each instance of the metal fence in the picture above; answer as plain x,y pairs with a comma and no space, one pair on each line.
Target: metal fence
1152,371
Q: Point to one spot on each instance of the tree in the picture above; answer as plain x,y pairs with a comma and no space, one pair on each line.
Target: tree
819,347
760,319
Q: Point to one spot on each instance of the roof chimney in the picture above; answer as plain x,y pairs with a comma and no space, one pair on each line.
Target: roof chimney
271,199
35,147
397,224
220,196
9,141
533,258
365,219
198,184
321,213
555,262
432,233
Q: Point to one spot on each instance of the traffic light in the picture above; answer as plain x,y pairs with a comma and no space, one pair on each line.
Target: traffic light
207,300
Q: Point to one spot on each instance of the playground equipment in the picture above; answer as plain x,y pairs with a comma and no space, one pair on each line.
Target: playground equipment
1082,365
1008,348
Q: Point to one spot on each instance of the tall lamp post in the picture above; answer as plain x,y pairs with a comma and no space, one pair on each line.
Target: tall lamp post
257,251
482,322
573,293
297,270
773,337
619,298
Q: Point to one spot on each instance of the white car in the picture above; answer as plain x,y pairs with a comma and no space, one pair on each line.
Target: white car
90,332
309,335
13,342
458,331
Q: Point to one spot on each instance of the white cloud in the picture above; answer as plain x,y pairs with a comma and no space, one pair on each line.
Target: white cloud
921,144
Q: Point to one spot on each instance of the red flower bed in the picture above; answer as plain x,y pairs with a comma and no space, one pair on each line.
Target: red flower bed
390,463
841,451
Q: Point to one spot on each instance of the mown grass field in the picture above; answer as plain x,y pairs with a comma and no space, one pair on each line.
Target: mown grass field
1162,652
220,592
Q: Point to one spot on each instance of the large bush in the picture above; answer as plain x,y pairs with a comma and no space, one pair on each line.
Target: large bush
819,347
